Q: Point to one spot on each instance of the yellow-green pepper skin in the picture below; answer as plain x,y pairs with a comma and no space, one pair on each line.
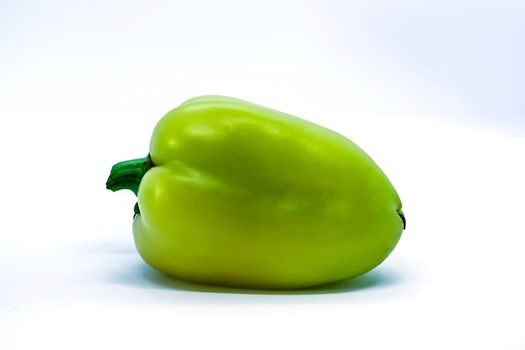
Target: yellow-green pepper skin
236,194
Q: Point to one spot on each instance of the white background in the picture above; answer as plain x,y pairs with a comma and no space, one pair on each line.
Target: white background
432,90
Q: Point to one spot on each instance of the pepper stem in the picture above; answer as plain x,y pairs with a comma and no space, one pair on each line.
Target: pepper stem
127,175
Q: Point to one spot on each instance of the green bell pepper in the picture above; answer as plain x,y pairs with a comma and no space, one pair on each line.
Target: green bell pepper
236,194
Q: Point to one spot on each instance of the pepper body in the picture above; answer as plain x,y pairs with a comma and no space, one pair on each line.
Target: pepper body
242,195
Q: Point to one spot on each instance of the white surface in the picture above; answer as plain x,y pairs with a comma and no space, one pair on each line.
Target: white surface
431,90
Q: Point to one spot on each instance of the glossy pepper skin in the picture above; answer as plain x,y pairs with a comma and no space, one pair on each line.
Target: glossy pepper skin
236,194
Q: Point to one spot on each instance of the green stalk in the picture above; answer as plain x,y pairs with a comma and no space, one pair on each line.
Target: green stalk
127,175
